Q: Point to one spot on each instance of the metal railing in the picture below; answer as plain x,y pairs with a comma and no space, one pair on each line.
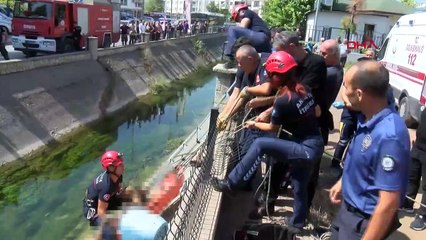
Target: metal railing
187,221
150,37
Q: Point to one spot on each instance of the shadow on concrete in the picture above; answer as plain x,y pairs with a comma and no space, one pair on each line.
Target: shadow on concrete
398,236
233,213
8,145
331,144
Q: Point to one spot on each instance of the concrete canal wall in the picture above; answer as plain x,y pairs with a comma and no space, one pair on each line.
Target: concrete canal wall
44,98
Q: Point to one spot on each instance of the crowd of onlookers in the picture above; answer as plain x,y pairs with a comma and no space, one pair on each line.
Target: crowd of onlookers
142,31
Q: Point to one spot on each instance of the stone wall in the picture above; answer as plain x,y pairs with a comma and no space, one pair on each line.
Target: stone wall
44,98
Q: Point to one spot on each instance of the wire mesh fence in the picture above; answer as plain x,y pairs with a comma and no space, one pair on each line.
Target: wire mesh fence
187,222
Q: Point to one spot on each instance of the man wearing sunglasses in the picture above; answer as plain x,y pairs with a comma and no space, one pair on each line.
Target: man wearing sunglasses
104,191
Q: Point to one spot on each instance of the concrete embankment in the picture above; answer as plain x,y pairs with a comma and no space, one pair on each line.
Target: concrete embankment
44,98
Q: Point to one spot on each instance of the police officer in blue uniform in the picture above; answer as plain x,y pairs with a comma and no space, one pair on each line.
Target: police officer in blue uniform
348,124
375,172
300,144
104,191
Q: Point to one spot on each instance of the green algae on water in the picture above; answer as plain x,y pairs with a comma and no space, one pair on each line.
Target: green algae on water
56,160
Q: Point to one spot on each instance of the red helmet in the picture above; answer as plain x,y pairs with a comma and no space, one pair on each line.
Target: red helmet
236,9
111,158
279,62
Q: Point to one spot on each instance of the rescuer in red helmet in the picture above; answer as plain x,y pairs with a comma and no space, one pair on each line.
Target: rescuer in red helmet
250,26
299,144
104,191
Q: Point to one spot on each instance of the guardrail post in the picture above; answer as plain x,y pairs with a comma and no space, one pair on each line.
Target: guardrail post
146,37
223,49
214,113
92,47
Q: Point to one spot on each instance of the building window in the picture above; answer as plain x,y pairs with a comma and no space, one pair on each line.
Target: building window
123,2
256,4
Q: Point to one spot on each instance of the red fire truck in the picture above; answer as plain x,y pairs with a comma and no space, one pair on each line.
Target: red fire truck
52,26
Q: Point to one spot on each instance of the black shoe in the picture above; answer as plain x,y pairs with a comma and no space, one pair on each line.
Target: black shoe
293,232
260,212
230,65
262,199
419,223
335,164
220,185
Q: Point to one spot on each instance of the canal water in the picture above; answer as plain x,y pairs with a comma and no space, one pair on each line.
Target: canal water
41,197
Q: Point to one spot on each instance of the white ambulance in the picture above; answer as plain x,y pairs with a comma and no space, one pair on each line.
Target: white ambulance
404,55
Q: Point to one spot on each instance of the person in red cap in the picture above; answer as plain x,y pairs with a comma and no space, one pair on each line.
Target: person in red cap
299,143
250,26
104,191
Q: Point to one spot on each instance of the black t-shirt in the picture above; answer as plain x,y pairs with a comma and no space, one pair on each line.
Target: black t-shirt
296,114
333,83
2,31
124,29
102,188
256,23
419,148
258,77
312,72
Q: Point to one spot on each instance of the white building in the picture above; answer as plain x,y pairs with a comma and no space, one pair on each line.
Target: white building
375,20
255,5
132,7
176,7
421,5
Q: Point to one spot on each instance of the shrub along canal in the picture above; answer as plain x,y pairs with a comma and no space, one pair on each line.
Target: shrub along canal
41,197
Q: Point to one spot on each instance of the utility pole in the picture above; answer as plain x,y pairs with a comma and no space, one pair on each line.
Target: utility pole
316,18
142,8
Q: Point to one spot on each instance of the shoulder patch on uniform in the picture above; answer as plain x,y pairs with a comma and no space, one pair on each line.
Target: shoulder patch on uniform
388,163
366,143
106,197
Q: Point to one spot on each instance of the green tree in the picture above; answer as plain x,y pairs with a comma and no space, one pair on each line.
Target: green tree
154,6
9,3
212,7
287,14
410,3
347,24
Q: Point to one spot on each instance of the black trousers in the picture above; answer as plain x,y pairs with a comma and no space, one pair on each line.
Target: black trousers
347,130
4,52
350,224
417,171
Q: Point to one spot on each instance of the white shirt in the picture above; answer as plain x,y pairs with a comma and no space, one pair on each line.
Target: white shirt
141,28
343,50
